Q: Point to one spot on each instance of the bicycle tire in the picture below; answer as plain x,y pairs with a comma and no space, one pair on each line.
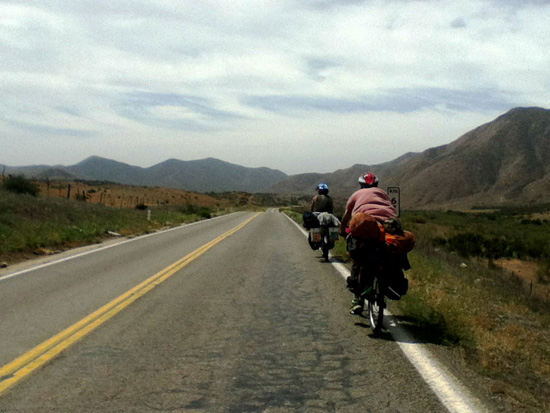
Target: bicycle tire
376,304
325,249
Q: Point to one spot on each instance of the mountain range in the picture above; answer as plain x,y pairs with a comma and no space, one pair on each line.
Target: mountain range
503,162
205,175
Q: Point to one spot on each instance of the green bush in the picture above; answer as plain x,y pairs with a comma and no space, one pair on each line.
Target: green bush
496,248
543,272
201,211
466,245
21,185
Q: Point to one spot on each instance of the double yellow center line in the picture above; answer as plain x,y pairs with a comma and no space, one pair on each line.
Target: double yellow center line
19,368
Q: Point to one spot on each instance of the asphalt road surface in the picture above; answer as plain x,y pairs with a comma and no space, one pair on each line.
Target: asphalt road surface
256,323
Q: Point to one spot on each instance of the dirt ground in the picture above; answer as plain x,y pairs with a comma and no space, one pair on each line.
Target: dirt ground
528,272
126,196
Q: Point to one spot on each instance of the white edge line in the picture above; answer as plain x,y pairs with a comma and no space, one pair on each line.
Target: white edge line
81,254
454,396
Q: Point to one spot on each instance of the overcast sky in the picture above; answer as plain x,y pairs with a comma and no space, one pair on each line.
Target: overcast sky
294,85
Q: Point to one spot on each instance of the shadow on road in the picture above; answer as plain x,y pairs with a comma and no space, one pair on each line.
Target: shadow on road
401,329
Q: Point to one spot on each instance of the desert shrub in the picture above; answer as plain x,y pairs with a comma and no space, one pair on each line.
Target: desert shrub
530,247
204,212
531,222
476,245
201,211
543,272
496,248
466,245
418,219
21,185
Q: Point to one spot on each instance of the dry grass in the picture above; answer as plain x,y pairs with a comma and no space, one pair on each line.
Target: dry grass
126,196
528,271
497,311
503,337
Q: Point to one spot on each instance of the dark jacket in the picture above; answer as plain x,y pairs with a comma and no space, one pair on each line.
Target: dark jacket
322,203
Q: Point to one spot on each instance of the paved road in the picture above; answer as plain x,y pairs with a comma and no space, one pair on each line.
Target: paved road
258,323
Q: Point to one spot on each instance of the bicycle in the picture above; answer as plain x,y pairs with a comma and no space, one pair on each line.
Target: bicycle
372,296
323,231
329,235
376,303
380,277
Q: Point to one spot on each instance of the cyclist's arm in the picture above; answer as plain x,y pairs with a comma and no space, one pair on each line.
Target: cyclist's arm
344,223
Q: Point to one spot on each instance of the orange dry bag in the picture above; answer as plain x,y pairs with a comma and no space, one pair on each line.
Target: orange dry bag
402,243
365,226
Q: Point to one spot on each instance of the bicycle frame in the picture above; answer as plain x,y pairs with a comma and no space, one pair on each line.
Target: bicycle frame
376,302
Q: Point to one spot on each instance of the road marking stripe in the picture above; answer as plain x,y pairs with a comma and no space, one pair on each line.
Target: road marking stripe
19,368
454,396
104,247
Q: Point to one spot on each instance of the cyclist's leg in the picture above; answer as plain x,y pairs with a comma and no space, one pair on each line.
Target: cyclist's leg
357,305
358,302
353,279
366,277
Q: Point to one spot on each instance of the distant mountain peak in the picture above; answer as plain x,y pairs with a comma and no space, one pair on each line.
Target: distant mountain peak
527,109
98,159
501,162
505,161
523,112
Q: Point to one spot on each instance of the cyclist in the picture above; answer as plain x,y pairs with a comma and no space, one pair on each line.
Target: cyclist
322,202
375,202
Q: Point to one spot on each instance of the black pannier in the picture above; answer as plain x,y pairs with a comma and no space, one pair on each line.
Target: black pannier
365,252
398,284
310,220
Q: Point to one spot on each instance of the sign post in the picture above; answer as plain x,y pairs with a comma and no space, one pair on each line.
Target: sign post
393,192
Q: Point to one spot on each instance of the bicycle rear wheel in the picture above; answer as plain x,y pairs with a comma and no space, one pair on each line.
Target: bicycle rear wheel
376,305
325,248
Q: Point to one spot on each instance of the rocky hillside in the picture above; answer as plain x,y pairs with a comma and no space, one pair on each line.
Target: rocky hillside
504,162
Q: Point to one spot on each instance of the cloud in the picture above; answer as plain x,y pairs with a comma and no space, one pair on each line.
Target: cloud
328,4
172,111
399,100
318,68
458,23
50,130
69,111
261,75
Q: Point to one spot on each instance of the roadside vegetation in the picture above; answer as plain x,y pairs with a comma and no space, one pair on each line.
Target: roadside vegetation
42,217
461,294
34,225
